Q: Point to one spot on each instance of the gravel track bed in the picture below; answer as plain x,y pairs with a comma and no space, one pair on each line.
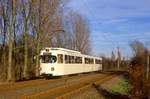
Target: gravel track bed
61,90
15,94
88,91
91,92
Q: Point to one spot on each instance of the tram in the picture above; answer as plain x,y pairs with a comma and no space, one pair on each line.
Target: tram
61,61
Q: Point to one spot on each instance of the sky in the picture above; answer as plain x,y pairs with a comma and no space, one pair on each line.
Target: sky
115,23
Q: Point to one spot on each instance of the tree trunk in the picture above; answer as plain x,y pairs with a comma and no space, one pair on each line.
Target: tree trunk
38,40
10,55
4,48
4,31
25,70
9,73
37,58
147,70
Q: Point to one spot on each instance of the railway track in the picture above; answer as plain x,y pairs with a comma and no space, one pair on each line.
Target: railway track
16,90
84,88
18,85
69,89
62,87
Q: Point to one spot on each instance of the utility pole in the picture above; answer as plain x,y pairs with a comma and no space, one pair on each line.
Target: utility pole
147,71
118,60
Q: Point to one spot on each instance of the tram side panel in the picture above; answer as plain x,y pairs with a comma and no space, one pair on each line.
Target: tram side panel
73,63
73,69
58,70
97,67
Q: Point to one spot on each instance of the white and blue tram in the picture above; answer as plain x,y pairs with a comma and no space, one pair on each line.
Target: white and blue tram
60,61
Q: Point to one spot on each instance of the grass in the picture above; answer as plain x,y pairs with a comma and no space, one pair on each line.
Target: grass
118,86
122,87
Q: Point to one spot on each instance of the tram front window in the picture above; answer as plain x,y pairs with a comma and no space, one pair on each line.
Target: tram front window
48,59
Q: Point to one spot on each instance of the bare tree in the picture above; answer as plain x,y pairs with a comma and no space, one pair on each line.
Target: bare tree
139,68
140,51
113,59
118,58
138,48
26,14
4,27
42,22
13,2
79,32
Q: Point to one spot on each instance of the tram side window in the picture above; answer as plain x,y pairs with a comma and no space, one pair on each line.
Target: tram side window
73,59
97,61
69,59
78,60
89,61
60,58
48,59
66,59
86,60
92,61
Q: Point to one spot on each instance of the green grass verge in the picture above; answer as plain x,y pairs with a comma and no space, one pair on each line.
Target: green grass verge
120,86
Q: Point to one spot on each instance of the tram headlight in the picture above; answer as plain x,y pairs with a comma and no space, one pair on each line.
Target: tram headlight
52,69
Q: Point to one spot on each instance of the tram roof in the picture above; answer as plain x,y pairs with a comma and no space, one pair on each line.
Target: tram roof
62,49
67,50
